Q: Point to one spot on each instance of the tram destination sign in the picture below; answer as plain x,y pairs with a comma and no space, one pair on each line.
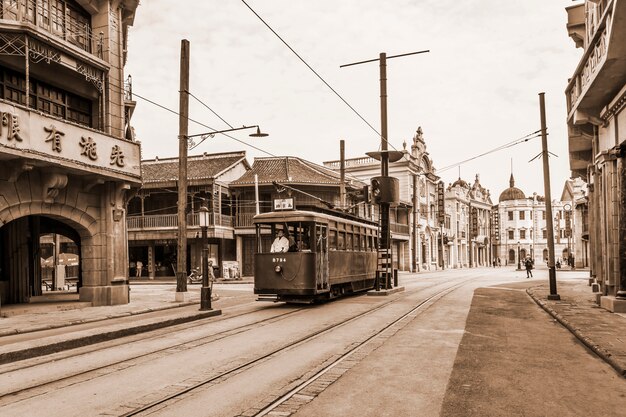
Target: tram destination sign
284,204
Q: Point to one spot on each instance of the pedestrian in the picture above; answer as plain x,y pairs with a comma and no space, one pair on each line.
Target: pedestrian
139,267
494,262
528,263
499,262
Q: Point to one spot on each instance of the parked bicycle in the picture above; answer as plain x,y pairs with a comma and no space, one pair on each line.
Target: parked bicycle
195,277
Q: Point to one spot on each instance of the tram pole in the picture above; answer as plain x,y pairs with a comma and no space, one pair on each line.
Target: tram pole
183,125
546,184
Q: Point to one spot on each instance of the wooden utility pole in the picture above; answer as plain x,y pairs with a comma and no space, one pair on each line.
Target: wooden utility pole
546,185
183,125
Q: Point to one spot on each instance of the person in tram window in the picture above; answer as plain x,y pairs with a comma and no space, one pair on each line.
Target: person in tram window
281,243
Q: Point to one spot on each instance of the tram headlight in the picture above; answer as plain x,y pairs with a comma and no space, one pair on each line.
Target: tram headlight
278,269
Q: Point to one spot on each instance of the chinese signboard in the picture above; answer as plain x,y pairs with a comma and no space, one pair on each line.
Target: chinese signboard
41,137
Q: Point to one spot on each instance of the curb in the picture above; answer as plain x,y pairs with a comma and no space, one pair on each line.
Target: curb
33,352
587,341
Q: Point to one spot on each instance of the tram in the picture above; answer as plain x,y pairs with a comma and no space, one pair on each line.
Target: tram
330,254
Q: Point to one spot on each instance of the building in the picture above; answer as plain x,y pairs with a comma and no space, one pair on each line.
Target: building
468,230
415,233
596,120
521,228
69,159
273,179
153,214
575,201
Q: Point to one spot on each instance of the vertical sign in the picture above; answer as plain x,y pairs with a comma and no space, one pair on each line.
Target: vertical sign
440,202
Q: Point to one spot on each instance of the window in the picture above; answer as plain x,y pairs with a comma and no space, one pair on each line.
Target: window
45,98
543,215
510,215
522,215
511,234
544,233
341,241
522,234
332,239
349,241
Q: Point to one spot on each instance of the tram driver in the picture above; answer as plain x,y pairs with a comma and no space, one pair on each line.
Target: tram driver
281,243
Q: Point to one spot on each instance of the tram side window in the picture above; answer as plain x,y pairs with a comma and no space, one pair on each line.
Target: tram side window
349,241
341,241
332,240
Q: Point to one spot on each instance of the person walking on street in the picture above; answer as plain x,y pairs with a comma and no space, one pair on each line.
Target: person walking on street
139,268
528,263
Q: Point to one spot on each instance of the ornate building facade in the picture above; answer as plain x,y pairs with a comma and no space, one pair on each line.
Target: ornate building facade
415,231
69,159
468,229
596,120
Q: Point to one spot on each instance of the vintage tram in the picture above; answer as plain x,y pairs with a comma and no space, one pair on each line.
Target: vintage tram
330,253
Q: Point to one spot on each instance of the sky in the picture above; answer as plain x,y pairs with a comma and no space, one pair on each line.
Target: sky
476,90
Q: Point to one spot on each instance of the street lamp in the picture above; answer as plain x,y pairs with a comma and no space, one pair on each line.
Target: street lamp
206,135
205,292
519,260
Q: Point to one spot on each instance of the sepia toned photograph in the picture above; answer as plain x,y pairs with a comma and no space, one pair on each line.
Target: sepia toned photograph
246,208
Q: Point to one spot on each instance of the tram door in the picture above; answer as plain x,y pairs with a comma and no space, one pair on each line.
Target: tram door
322,268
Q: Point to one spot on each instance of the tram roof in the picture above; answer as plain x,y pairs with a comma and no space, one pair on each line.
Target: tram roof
306,215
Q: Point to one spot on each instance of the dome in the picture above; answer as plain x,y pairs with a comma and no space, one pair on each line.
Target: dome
460,183
512,193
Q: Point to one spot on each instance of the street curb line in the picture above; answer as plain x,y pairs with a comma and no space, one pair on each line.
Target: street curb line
587,341
32,352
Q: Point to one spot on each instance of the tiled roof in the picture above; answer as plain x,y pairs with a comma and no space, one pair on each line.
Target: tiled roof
204,166
289,170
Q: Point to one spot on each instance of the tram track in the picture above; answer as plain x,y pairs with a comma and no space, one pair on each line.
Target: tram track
221,376
113,366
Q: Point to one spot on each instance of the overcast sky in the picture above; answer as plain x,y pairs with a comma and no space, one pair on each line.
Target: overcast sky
476,89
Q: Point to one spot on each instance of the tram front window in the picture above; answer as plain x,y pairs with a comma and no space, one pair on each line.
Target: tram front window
288,237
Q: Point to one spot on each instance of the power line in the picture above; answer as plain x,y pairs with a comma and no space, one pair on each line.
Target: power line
311,68
523,139
199,123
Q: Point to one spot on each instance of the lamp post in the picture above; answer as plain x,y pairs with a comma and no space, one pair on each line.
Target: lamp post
519,260
205,292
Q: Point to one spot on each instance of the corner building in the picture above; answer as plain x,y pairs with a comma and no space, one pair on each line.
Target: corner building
596,121
68,157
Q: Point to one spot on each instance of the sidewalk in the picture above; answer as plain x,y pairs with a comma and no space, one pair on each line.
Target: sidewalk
600,330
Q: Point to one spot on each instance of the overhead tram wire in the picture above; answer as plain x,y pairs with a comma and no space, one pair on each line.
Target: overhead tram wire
315,72
523,139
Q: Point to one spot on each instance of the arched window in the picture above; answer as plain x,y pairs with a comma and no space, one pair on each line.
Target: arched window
545,254
511,255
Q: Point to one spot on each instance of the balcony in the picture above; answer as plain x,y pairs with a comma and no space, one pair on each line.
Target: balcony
399,228
64,25
170,221
602,70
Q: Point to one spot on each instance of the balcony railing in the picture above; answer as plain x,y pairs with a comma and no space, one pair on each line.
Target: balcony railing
399,228
54,22
170,221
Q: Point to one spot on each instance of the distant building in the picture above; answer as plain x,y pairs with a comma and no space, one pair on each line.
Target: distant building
521,228
596,120
468,229
153,213
415,232
69,158
574,198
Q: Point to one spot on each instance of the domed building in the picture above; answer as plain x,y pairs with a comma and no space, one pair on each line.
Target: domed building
519,228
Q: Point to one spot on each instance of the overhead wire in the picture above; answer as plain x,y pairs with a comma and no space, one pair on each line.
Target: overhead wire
315,72
526,138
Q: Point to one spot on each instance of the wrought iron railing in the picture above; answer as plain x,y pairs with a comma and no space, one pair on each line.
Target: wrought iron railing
170,221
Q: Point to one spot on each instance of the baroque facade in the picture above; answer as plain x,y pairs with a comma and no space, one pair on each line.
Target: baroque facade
467,229
69,159
596,120
415,231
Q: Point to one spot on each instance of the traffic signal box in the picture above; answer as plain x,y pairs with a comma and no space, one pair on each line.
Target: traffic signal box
385,190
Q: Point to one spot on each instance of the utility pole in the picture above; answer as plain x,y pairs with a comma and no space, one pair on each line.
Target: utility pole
183,126
546,185
342,173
